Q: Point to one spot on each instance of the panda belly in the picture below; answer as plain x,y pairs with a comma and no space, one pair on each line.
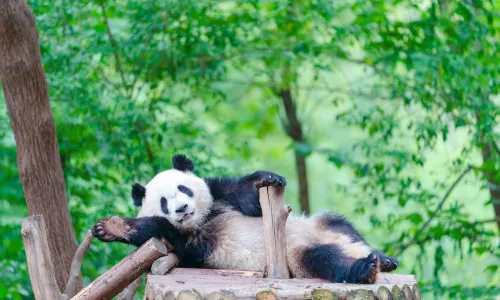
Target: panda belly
240,243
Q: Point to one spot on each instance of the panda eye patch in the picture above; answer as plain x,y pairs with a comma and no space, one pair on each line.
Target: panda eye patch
185,190
164,207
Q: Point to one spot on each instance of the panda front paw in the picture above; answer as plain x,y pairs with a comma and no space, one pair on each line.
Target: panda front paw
112,229
388,264
270,179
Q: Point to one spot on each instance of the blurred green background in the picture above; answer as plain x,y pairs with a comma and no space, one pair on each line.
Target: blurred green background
394,109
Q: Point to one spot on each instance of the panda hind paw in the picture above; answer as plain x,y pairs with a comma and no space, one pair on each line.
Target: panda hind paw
270,179
365,270
388,264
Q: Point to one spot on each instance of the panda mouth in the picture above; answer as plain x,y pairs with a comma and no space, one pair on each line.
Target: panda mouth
186,217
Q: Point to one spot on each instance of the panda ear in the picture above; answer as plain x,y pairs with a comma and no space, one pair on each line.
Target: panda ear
138,193
182,163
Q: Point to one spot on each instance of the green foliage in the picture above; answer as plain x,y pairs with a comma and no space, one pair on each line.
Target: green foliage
399,101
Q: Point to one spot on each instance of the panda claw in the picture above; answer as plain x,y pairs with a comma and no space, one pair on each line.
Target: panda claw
389,264
270,179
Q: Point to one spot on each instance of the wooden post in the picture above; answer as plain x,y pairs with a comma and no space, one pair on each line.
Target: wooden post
40,267
274,215
124,273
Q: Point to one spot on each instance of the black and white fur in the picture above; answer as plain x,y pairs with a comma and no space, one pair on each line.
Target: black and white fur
216,223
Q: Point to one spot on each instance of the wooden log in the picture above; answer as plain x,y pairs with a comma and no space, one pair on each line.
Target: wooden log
189,295
40,266
121,275
266,295
383,293
129,292
274,215
75,274
163,264
221,295
321,294
407,293
397,294
416,292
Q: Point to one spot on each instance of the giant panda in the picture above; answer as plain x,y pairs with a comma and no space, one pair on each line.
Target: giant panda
216,223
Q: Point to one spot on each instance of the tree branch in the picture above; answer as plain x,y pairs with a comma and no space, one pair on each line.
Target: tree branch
130,291
434,213
149,151
74,275
496,219
114,45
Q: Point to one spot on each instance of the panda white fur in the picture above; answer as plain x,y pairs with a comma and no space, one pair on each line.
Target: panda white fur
216,223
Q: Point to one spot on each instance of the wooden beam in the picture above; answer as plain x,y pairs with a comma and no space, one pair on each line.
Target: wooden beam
109,284
274,215
40,266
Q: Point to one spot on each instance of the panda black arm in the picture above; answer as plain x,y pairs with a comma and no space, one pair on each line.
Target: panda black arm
192,249
243,193
137,231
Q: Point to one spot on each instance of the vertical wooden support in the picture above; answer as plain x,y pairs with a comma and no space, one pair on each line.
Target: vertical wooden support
40,266
109,284
274,215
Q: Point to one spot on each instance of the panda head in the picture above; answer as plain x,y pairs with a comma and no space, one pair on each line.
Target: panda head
176,194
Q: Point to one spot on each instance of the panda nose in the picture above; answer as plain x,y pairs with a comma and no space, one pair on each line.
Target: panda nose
181,209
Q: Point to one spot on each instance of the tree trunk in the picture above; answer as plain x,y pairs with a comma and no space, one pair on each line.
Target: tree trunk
295,132
493,183
26,93
487,148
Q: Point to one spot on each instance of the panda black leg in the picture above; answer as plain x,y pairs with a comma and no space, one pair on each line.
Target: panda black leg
387,263
243,194
261,179
329,262
365,270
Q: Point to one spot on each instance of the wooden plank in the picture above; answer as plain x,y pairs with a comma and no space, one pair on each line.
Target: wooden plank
274,216
245,287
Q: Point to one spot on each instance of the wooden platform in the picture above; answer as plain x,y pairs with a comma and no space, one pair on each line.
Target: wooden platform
185,284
